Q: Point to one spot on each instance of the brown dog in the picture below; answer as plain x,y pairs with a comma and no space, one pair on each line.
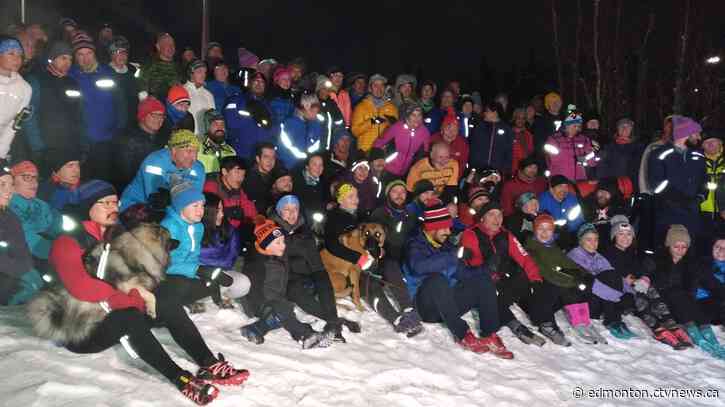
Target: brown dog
345,276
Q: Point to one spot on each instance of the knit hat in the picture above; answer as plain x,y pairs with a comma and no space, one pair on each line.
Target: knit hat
210,116
476,192
59,48
23,167
558,180
334,69
550,98
281,72
147,106
450,117
80,40
542,219
177,94
118,43
573,118
530,160
184,139
68,21
285,200
625,122
408,108
489,207
279,172
213,44
524,198
392,184
343,190
90,192
246,58
377,77
423,185
194,65
376,153
58,158
585,229
265,232
323,82
677,233
620,223
353,76
184,193
684,127
436,216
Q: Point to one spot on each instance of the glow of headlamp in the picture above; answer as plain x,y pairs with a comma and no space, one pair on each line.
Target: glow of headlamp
4,244
72,93
318,217
551,149
547,173
105,83
68,224
574,213
500,132
582,287
328,84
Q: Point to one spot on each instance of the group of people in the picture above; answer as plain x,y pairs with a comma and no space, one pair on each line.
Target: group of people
255,166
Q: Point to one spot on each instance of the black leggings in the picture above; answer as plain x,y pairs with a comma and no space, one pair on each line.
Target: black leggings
549,298
373,290
314,294
514,289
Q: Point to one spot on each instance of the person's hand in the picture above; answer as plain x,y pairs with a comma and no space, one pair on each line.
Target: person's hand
453,209
160,199
149,299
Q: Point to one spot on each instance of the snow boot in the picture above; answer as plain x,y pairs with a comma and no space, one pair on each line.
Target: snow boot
352,326
578,316
223,373
409,323
316,339
709,336
335,329
551,331
524,333
682,336
667,337
585,334
620,331
470,342
699,340
495,345
196,390
254,332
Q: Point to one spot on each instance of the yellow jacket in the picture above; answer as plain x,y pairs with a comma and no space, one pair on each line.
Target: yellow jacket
714,169
363,128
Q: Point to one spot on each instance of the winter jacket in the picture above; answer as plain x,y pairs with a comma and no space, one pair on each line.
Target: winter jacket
364,129
258,188
608,284
184,260
408,143
433,119
211,153
313,195
523,146
15,96
423,258
248,121
155,172
221,92
269,276
280,105
514,187
520,224
368,192
399,226
570,156
443,178
297,138
201,101
711,281
678,178
342,99
58,195
545,126
628,261
619,160
467,124
459,151
497,253
355,99
56,121
564,210
129,85
339,222
643,177
220,252
680,276
555,267
332,122
103,106
158,76
714,170
14,255
301,251
238,209
492,144
131,148
41,223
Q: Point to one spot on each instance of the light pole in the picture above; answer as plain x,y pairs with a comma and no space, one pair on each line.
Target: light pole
22,11
204,27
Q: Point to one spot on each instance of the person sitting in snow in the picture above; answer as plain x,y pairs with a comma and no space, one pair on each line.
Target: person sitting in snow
710,294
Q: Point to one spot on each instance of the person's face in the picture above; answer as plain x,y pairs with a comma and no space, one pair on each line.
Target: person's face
573,129
106,34
415,119
105,211
342,147
406,89
182,106
397,195
718,250
188,56
311,112
678,250
283,184
603,198
217,131
359,86
378,166
492,220
478,203
712,147
219,214
377,88
440,235
266,160
555,105
531,207
467,108
258,86
490,115
62,63
296,72
70,173
593,124
694,141
85,57
530,113
166,48
450,132
193,212
276,248
455,86
520,119
559,192
531,171
315,166
426,92
503,100
119,58
221,73
26,184
590,242
290,213
361,173
544,232
426,196
284,82
440,156
198,76
234,177
153,121
351,200
336,78
623,239
446,99
323,93
184,157
6,190
215,52
625,132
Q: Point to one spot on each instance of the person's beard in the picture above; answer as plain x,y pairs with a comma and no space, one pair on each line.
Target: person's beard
395,205
601,204
218,136
693,144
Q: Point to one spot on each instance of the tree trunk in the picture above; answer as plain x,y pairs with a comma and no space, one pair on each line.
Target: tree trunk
641,102
577,48
679,97
557,54
597,64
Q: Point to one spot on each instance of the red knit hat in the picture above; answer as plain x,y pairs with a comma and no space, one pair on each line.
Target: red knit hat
450,117
280,72
436,216
23,167
177,94
147,106
543,218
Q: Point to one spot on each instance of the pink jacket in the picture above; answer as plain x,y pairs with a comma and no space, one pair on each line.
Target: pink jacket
570,157
407,144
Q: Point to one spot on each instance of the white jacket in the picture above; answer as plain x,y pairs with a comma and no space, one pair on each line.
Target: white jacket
14,96
201,101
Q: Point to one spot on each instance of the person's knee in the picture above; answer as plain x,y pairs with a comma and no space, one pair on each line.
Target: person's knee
240,285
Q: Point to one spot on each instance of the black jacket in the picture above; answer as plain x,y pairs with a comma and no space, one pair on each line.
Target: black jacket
680,276
302,253
131,149
268,276
312,197
14,256
258,187
339,222
129,84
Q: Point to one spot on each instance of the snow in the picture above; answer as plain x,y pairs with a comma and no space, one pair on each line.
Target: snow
375,368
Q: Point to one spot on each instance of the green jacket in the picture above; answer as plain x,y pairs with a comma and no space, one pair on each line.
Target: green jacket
554,266
158,76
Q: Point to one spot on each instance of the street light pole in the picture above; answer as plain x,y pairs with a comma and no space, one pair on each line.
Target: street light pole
204,27
22,11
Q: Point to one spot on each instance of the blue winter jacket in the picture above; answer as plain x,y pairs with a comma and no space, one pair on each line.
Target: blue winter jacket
280,105
297,138
221,253
491,145
156,172
423,260
434,119
41,223
221,92
104,110
184,260
245,127
58,195
562,210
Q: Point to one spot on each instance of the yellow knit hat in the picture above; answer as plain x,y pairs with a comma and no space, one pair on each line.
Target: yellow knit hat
343,190
184,139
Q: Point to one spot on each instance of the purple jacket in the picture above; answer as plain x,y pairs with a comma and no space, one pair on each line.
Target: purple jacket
407,144
597,264
221,254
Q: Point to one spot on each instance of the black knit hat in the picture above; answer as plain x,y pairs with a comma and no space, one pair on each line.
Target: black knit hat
530,160
90,192
558,180
375,153
58,158
422,186
489,207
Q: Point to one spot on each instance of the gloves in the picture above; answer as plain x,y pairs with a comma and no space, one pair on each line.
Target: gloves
641,285
365,261
160,199
133,299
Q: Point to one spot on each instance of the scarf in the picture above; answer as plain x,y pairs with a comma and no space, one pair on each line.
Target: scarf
309,179
427,105
54,71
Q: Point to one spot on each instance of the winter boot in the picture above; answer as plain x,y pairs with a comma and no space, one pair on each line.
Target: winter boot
524,333
352,326
694,332
223,373
196,390
409,323
667,337
578,316
495,345
254,332
681,335
585,334
315,339
620,331
709,336
551,331
197,308
470,342
335,329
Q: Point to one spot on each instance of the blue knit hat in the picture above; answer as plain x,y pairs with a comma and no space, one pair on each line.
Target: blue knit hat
184,193
89,193
573,118
284,201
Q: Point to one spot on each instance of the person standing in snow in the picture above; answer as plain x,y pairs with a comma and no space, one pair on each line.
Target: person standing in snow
14,92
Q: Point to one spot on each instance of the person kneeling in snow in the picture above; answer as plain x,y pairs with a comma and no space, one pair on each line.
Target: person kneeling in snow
444,289
269,271
128,311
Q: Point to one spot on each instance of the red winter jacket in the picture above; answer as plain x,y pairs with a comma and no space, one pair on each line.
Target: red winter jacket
514,187
238,208
523,146
516,251
66,258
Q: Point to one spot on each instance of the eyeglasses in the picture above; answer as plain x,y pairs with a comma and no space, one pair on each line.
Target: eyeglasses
28,177
108,204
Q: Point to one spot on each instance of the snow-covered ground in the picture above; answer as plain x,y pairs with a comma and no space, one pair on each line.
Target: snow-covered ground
375,368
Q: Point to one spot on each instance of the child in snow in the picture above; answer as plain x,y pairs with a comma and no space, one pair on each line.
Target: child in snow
710,294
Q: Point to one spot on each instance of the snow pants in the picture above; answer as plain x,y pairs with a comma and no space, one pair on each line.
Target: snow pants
373,290
314,294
